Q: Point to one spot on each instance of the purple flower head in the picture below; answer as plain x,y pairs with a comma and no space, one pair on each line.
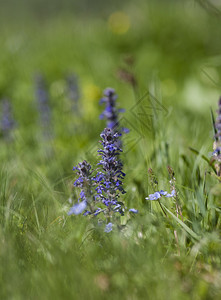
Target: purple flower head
217,151
84,173
218,123
78,208
86,213
108,228
42,99
110,92
217,143
7,121
110,178
86,182
82,195
73,91
97,211
110,112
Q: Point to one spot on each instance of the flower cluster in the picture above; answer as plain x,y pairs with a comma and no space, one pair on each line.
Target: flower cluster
111,112
158,195
110,178
73,91
85,183
100,193
217,144
7,121
42,98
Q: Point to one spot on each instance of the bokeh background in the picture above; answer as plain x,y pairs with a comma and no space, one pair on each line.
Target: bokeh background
174,44
170,50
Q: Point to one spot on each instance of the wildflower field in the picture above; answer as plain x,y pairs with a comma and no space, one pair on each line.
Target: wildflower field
110,149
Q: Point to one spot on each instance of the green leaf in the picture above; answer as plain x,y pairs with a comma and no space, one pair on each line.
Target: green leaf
185,227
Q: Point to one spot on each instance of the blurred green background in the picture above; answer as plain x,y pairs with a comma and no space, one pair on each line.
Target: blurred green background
169,49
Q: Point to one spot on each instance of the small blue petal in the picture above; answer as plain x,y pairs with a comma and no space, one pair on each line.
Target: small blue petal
78,208
164,193
108,227
171,195
154,196
87,213
125,130
133,210
82,194
97,211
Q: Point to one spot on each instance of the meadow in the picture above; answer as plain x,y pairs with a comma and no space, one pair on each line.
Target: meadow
163,60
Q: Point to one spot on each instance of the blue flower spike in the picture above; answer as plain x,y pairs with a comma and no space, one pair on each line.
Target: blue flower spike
111,112
109,179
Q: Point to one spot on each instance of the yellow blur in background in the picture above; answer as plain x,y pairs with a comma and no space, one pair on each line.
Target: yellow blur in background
119,23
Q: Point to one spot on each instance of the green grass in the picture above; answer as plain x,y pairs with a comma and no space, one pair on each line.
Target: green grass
46,254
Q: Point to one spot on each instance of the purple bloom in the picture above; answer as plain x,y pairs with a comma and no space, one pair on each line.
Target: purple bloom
42,98
78,208
111,112
73,91
82,194
7,121
87,212
217,143
84,173
125,130
162,193
97,211
108,228
109,185
133,210
217,151
85,182
218,123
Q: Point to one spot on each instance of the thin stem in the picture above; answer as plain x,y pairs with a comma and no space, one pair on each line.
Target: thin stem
162,208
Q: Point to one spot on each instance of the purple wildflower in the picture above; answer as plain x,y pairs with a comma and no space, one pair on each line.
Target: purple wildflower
85,183
111,112
78,208
217,143
73,91
108,228
110,178
218,123
7,121
42,98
